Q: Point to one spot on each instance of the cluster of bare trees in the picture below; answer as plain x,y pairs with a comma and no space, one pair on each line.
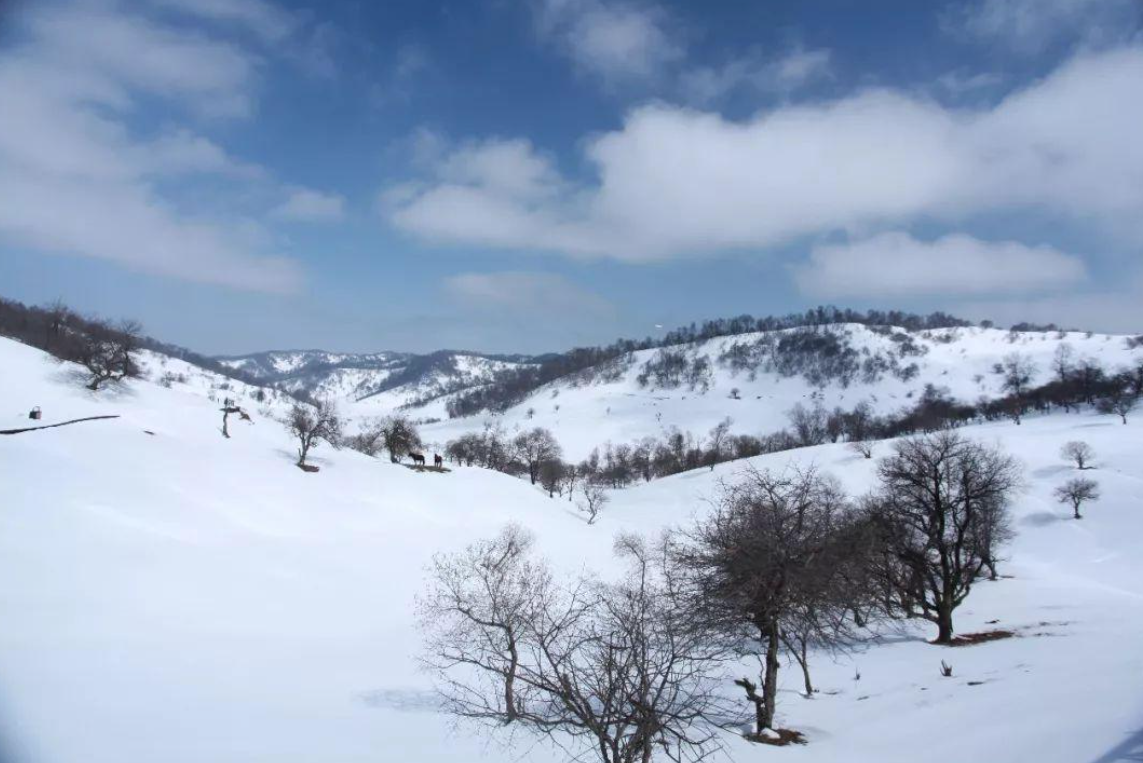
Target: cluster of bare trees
534,452
785,565
619,670
397,435
1078,490
107,352
62,332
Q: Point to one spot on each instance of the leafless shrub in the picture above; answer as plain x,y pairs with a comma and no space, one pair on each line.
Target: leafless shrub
313,424
108,353
1077,492
593,500
1078,452
614,670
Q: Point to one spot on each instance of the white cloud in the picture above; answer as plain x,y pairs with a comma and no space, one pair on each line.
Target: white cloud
679,182
307,205
961,83
1119,310
211,77
75,180
1028,26
266,20
527,295
617,41
181,151
785,74
897,265
124,223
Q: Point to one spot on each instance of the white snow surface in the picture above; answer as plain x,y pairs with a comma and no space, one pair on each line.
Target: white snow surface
168,595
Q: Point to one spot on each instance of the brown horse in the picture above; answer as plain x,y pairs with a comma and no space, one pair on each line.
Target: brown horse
418,458
437,460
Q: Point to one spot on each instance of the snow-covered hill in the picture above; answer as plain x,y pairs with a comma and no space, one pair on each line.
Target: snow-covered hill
166,594
374,383
757,378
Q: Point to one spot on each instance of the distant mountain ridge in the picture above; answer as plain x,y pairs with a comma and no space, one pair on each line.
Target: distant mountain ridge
356,377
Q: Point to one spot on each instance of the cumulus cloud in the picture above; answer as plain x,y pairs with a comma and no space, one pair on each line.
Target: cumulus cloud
75,180
895,264
678,182
619,42
308,205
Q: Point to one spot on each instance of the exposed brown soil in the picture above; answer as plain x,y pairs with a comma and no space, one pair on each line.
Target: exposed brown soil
972,639
785,737
435,469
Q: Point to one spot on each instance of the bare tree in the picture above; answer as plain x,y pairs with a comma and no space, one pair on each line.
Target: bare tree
536,447
1063,362
616,670
108,353
942,500
765,568
809,424
717,441
1077,492
1079,452
1118,401
554,476
57,316
863,448
369,439
399,436
1017,371
594,499
313,424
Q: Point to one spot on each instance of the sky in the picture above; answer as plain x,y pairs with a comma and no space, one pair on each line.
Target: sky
531,175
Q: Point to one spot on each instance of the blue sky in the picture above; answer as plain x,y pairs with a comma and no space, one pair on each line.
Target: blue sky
526,175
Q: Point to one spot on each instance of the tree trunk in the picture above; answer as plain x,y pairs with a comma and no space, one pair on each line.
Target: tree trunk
510,681
770,679
804,662
990,563
944,623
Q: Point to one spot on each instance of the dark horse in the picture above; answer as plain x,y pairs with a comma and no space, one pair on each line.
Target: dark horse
437,460
418,458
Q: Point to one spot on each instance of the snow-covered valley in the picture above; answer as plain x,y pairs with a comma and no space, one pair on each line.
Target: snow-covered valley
167,594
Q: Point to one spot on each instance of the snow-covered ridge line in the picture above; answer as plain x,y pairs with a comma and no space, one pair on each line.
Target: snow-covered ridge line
757,378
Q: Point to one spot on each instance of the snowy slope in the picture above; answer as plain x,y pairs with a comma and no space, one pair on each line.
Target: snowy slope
178,597
586,414
374,384
276,363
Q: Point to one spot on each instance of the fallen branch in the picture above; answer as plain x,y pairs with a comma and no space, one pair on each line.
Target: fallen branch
52,426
